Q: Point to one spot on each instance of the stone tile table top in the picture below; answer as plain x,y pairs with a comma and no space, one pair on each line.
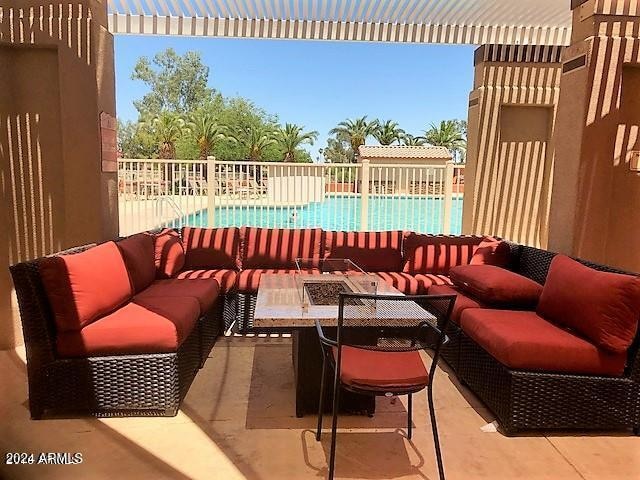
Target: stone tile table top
279,304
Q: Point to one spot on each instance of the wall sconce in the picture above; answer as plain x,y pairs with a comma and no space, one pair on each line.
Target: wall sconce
634,162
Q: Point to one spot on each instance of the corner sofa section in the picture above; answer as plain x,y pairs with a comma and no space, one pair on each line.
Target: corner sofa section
109,333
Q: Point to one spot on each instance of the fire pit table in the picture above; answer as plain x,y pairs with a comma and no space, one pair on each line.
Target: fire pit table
296,301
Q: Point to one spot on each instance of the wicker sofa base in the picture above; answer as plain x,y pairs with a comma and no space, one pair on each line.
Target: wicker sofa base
526,401
123,385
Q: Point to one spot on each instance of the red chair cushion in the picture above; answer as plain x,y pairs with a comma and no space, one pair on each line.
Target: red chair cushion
428,278
371,251
152,326
169,257
85,286
405,282
462,302
280,247
138,252
205,291
225,278
436,254
525,341
491,251
496,286
603,307
378,370
249,280
211,248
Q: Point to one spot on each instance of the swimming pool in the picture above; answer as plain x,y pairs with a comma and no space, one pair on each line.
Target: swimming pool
419,214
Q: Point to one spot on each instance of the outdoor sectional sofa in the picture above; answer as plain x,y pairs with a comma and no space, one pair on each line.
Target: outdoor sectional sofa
122,327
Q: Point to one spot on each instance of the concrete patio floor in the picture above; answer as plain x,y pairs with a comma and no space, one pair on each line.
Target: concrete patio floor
238,421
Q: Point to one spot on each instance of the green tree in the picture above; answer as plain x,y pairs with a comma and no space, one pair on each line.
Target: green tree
355,132
206,132
338,150
177,82
449,134
412,141
167,128
291,137
255,139
388,132
134,141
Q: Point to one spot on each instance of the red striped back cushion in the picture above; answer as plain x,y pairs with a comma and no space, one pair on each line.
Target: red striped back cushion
437,253
280,247
211,248
371,251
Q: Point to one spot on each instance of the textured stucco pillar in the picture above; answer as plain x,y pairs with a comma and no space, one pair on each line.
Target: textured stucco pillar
56,78
596,195
510,150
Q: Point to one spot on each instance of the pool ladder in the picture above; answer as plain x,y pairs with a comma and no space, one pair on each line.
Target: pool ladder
180,214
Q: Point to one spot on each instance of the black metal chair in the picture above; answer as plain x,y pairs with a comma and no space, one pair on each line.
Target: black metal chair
376,351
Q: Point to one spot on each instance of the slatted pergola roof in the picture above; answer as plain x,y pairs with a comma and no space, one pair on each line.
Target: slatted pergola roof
520,22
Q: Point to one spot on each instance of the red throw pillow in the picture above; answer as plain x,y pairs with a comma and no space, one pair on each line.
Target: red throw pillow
85,286
280,247
371,251
492,252
496,286
211,248
169,254
138,252
437,254
603,307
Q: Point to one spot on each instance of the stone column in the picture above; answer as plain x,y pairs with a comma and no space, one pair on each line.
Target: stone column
57,164
596,195
510,152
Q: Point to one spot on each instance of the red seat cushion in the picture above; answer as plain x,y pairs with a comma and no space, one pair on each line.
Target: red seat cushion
205,291
153,326
603,307
138,252
433,279
85,286
371,251
405,282
496,286
169,254
462,302
280,247
211,248
436,254
249,280
378,370
491,251
525,341
225,278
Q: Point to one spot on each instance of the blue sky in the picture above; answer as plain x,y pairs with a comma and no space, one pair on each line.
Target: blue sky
318,84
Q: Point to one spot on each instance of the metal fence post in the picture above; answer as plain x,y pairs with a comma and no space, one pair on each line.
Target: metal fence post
448,198
364,197
211,189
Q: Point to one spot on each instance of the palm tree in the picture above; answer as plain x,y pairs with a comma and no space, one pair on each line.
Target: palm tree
167,127
291,137
355,131
388,132
409,140
206,131
255,138
449,134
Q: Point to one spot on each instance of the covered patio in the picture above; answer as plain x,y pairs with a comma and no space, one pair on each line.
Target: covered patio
552,166
238,421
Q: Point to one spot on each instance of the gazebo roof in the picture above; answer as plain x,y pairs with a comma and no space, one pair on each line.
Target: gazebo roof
402,151
518,22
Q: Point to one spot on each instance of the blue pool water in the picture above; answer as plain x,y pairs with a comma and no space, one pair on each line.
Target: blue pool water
339,213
